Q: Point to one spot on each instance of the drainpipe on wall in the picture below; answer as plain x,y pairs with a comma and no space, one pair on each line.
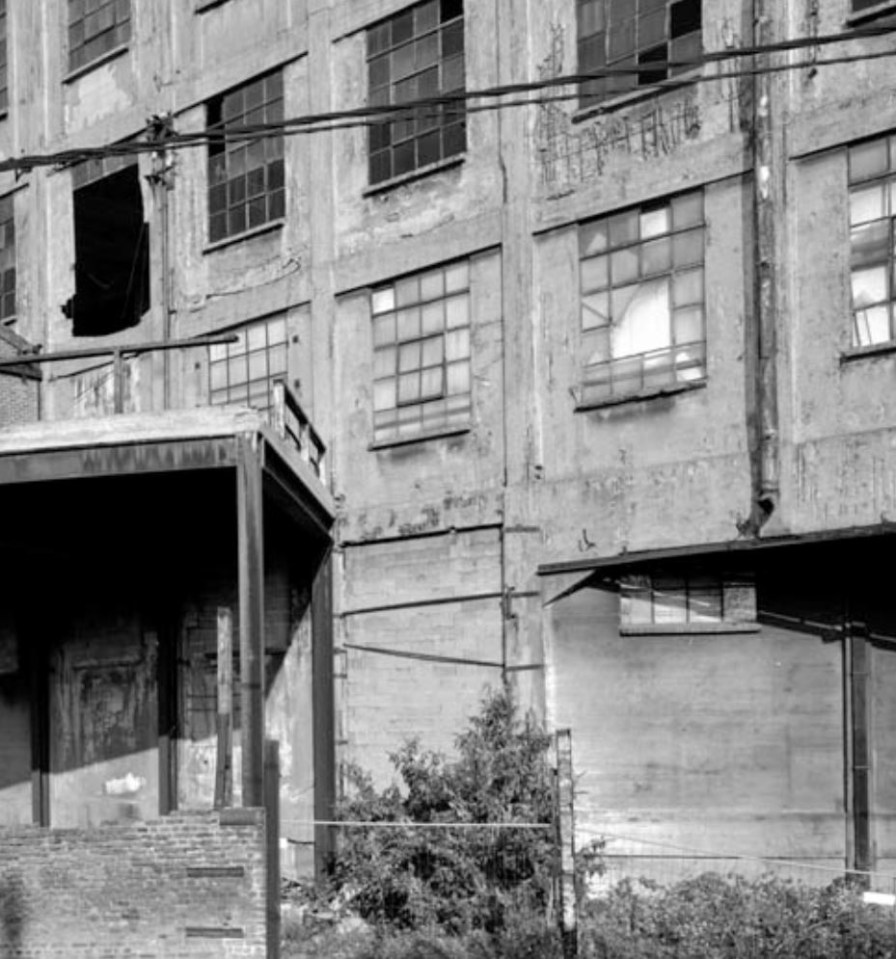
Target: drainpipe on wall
765,496
161,179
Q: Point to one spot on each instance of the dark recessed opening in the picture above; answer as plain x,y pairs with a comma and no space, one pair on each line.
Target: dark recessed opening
111,255
684,18
656,54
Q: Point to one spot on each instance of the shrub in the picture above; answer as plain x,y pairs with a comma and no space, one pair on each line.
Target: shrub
716,917
414,874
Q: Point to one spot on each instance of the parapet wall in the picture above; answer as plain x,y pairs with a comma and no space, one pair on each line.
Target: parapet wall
186,885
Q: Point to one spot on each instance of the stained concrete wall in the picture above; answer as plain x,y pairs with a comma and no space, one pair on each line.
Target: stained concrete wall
183,886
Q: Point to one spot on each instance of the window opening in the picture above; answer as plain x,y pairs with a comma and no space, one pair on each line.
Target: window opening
246,178
630,33
418,53
872,208
421,338
95,28
111,248
642,299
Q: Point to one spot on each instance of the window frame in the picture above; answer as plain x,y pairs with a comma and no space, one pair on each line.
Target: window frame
224,355
594,57
880,8
444,138
723,583
120,27
686,355
448,409
884,181
227,179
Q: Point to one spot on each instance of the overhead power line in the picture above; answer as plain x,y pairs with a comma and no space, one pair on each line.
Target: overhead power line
467,101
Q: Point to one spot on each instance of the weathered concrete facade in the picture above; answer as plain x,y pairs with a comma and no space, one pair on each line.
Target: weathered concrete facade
514,531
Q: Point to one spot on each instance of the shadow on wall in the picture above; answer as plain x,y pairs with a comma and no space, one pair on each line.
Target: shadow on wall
12,913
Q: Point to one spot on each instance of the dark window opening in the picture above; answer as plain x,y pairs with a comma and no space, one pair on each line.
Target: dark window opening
111,255
685,17
655,55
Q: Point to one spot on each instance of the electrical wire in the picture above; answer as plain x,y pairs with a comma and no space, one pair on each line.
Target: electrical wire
370,115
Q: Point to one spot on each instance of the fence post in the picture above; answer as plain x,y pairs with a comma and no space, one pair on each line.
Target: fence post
566,839
272,829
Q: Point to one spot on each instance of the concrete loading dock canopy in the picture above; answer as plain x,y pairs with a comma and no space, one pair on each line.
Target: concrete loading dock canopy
121,536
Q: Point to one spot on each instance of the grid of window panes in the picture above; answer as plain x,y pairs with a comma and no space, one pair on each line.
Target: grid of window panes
246,178
421,342
635,33
7,262
4,61
416,54
244,372
642,299
95,28
872,208
678,600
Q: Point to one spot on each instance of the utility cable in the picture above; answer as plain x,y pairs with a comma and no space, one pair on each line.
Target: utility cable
369,115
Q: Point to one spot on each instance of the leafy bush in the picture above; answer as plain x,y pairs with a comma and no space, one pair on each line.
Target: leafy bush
419,872
716,917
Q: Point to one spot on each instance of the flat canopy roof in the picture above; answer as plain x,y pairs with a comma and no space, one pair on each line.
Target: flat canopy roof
162,442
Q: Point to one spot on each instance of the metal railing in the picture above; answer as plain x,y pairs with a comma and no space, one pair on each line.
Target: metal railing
292,423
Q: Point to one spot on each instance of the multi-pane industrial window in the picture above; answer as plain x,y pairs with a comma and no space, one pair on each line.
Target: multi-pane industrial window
872,208
95,28
416,54
244,372
421,340
7,262
246,185
4,60
688,602
627,34
642,299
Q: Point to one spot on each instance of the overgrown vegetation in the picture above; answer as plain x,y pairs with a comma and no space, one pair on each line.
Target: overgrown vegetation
419,871
730,917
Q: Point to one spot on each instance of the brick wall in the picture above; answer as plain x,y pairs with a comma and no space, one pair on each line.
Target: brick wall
18,394
188,885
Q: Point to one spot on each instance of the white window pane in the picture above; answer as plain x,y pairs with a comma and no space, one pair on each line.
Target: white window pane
644,323
688,324
457,311
868,160
687,210
384,330
407,291
687,248
409,357
866,204
236,370
687,288
457,344
457,277
431,383
257,337
277,331
384,362
218,373
656,257
384,300
595,310
705,602
869,286
654,223
433,317
669,605
624,265
384,394
595,273
277,360
258,366
432,285
433,351
592,238
458,378
409,323
217,352
871,326
409,388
